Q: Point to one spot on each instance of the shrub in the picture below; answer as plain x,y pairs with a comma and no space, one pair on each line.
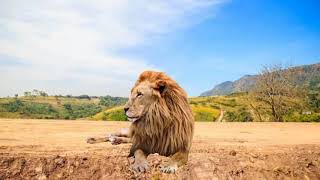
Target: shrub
13,106
110,101
214,106
84,97
230,116
295,117
242,115
116,115
81,111
204,116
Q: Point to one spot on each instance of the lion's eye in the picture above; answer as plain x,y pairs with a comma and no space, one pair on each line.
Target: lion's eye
139,94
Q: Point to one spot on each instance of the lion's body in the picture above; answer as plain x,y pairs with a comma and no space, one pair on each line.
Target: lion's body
162,122
167,127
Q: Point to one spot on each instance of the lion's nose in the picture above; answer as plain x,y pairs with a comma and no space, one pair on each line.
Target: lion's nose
126,109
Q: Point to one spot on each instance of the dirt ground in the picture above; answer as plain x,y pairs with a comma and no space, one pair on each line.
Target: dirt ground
57,149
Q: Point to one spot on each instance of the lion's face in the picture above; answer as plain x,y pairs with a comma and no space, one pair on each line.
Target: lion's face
142,96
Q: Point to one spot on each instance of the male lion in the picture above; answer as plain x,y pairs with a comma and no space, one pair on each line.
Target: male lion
162,122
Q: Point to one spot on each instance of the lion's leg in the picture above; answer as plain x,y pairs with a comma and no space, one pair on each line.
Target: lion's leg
115,138
140,161
94,140
175,161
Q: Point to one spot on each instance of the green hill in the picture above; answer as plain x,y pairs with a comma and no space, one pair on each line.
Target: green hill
56,107
204,109
113,114
236,107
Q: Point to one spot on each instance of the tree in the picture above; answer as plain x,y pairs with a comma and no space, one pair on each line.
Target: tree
313,95
27,93
84,97
68,107
35,92
274,90
42,93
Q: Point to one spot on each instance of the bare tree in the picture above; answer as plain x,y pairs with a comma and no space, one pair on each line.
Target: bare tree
274,89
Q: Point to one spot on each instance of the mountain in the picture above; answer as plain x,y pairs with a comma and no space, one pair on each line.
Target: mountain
300,75
220,89
241,85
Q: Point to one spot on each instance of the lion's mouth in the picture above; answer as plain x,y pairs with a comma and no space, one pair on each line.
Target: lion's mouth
133,119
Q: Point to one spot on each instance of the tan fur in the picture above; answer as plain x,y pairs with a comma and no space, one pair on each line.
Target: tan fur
167,126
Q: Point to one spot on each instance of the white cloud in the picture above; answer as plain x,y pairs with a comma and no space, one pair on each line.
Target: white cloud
70,46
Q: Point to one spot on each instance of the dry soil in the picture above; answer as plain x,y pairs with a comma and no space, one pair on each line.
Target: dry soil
57,149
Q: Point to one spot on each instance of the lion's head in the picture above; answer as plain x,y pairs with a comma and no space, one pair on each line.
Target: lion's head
151,88
161,116
142,96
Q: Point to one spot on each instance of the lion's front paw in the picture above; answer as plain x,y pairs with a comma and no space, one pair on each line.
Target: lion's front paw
169,168
140,166
91,140
115,140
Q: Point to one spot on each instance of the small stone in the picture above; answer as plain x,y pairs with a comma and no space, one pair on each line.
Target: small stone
38,169
76,164
253,155
309,164
59,160
42,177
306,177
233,153
277,169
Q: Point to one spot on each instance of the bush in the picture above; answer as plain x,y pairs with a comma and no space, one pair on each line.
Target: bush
313,99
80,111
230,116
295,117
242,115
38,108
116,115
84,97
13,106
214,106
110,101
204,116
229,103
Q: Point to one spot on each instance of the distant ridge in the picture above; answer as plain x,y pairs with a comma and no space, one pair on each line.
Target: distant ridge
245,83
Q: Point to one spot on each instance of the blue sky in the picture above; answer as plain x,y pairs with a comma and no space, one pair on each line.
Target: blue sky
99,48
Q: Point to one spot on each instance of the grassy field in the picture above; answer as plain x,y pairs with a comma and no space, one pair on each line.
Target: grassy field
206,109
231,108
115,113
55,107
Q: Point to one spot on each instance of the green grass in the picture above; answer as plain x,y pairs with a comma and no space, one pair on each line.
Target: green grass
204,109
205,113
113,114
236,107
54,107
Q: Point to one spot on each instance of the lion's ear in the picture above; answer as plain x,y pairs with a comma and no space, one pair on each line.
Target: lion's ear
161,86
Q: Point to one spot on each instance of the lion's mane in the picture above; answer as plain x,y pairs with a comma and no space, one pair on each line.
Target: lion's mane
168,124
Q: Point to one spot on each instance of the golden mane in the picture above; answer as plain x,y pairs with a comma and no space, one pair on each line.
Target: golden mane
168,124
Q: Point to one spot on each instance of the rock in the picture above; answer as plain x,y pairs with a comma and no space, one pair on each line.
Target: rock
42,177
59,160
38,169
253,155
233,153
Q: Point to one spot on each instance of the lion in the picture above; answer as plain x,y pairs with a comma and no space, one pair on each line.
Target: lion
161,122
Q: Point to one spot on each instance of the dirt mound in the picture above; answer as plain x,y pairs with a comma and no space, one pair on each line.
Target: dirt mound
35,149
215,163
